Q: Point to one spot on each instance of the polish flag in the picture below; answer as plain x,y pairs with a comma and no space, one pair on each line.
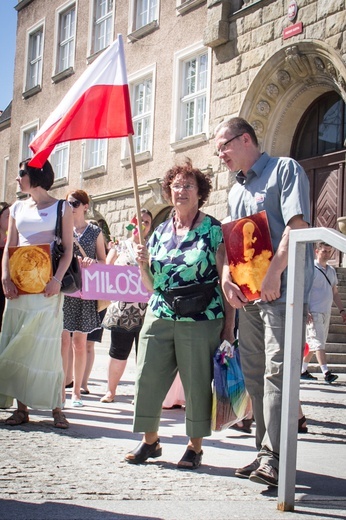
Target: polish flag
96,107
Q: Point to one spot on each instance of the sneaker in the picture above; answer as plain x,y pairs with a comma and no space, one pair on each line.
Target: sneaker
329,377
247,470
308,376
265,474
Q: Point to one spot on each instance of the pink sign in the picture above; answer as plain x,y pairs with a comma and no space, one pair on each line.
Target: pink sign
112,282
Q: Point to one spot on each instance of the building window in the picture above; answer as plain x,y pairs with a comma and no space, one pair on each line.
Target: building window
322,129
28,134
34,61
59,161
191,92
143,18
66,38
186,5
142,114
145,12
142,93
95,153
102,24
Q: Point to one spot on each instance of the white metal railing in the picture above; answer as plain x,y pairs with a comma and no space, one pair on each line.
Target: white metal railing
292,355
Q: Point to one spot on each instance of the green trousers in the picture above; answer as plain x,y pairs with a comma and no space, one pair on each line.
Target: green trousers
166,347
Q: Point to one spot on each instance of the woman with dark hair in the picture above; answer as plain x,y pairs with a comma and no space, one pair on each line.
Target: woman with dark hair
124,319
4,217
81,316
30,346
184,321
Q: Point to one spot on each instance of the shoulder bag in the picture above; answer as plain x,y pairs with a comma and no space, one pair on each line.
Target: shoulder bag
72,279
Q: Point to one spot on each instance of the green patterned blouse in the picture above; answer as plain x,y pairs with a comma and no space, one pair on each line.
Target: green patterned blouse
179,261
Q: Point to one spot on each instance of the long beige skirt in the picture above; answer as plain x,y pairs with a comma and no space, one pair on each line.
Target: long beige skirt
30,352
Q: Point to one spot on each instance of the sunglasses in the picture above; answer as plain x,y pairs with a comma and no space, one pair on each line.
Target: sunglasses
21,173
74,203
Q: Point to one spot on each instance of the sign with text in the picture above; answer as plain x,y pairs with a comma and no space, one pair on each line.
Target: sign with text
292,30
112,282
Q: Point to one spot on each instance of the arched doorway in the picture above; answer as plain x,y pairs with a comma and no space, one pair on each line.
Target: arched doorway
299,77
319,146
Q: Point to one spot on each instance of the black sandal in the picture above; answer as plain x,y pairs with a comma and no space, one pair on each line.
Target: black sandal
143,452
301,428
193,459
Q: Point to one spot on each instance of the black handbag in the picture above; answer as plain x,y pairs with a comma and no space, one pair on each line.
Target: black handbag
72,279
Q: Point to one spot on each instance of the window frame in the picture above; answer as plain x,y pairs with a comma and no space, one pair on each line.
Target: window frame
183,6
134,32
61,147
30,89
92,26
25,130
178,139
133,81
89,169
59,72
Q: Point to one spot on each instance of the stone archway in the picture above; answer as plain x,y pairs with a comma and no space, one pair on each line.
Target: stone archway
285,86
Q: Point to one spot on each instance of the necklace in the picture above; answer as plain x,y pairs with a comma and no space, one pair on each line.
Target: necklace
178,238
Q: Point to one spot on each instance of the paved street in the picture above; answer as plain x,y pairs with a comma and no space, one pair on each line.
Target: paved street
80,473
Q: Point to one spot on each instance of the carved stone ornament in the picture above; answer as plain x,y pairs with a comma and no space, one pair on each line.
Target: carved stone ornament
263,108
319,64
258,127
283,77
272,90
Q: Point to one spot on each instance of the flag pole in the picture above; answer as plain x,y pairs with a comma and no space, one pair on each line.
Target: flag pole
135,189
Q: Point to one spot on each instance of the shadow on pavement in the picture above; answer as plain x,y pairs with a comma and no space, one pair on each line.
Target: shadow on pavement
57,511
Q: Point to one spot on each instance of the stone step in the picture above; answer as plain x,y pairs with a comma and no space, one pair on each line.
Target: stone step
314,368
338,328
336,338
335,347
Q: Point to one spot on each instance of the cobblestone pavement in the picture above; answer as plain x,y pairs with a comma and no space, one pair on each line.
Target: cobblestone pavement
85,464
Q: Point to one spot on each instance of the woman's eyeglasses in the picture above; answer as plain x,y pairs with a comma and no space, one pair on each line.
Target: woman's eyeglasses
21,173
178,187
74,203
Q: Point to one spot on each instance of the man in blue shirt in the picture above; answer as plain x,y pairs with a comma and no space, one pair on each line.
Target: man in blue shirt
281,188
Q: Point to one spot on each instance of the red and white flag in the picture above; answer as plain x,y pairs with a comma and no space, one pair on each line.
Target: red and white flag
96,107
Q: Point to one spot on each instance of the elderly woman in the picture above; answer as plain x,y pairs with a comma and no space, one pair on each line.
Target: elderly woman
185,315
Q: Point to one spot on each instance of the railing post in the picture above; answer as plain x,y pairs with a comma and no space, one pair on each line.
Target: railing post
292,354
291,375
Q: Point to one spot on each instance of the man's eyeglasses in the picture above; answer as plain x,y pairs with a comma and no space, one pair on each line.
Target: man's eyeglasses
21,173
74,203
178,187
224,145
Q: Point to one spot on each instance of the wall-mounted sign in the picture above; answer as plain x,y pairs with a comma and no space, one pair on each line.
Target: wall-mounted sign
292,10
292,30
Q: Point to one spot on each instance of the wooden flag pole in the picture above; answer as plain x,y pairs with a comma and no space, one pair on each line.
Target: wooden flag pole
135,189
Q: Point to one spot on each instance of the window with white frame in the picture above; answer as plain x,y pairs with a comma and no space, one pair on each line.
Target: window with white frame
66,38
185,5
59,161
34,59
142,94
95,153
102,24
191,93
28,134
143,13
142,114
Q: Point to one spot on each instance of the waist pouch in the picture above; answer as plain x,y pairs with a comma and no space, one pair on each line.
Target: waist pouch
191,299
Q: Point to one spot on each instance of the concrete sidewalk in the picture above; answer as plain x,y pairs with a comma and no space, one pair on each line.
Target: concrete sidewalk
80,473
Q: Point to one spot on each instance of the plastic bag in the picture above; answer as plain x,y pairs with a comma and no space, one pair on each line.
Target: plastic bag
231,402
